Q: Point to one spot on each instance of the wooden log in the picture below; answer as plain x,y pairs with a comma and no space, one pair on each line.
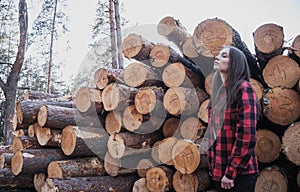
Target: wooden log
31,161
140,185
176,74
258,87
31,130
281,71
5,149
9,181
84,141
136,47
138,74
38,95
185,182
16,125
294,52
192,128
39,180
268,41
281,106
154,152
161,55
171,127
271,179
290,144
89,184
143,166
159,178
80,167
113,122
268,146
47,137
208,83
25,142
205,181
27,110
116,96
211,35
89,100
298,179
164,150
20,132
103,77
5,160
148,98
119,143
173,30
203,112
185,156
184,101
132,119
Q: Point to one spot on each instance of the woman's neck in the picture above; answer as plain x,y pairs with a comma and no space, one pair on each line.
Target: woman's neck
224,77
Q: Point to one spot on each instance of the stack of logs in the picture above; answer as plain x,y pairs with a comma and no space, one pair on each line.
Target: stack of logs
142,128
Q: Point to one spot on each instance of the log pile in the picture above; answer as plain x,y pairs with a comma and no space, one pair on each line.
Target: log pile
142,128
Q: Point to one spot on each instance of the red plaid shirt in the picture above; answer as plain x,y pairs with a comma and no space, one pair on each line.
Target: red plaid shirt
232,150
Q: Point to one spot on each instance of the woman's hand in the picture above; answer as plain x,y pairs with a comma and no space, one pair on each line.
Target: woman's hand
226,183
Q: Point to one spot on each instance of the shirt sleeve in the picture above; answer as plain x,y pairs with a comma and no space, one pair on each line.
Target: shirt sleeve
245,135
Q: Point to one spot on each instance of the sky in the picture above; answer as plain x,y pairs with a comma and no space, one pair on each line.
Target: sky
243,16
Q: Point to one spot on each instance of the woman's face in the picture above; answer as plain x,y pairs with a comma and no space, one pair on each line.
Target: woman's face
221,62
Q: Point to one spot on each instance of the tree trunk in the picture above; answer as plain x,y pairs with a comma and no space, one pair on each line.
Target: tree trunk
103,77
281,71
80,167
185,182
118,34
112,35
34,161
268,42
10,181
89,184
290,144
89,100
10,87
281,106
136,47
137,75
159,178
84,141
268,146
117,96
32,95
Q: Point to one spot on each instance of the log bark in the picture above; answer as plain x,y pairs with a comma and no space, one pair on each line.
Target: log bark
136,47
281,106
89,100
205,181
39,180
290,144
183,101
34,161
281,71
117,96
192,128
9,181
271,179
47,137
89,184
185,156
119,143
268,42
5,160
159,178
80,167
268,146
27,110
176,74
103,77
84,141
5,149
173,30
185,182
25,142
38,95
140,75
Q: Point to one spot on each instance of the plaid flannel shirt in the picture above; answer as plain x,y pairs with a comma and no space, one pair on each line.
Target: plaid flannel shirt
232,151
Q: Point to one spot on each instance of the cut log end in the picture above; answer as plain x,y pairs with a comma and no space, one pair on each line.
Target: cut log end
42,116
192,128
113,122
166,26
290,143
83,100
268,38
174,75
145,100
101,78
185,182
157,179
211,35
68,140
116,146
39,181
54,170
19,112
174,100
43,135
132,119
135,74
131,45
159,55
203,111
143,166
17,163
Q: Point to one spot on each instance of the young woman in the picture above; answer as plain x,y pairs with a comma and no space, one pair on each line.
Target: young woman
233,113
